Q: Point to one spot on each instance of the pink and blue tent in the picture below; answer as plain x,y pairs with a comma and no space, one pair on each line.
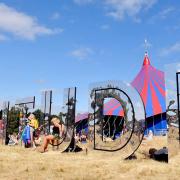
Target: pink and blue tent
112,107
81,117
113,117
150,84
81,122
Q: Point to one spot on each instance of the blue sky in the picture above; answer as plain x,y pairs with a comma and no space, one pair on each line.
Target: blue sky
56,44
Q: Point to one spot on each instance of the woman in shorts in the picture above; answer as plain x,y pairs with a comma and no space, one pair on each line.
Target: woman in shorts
57,132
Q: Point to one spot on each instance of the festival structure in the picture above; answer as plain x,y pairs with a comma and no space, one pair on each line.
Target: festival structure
150,84
113,121
113,117
112,107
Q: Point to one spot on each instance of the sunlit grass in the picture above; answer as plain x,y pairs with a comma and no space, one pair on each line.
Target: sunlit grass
20,163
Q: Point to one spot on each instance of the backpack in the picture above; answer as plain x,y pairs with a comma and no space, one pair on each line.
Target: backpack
26,136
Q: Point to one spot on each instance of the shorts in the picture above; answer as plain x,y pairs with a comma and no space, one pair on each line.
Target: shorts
56,136
31,130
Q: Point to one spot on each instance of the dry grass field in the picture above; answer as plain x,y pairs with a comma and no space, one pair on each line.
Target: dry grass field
19,163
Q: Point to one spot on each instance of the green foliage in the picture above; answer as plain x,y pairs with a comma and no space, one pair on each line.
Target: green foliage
39,115
13,123
109,93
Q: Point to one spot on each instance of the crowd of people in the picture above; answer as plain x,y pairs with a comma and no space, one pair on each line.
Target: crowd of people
30,134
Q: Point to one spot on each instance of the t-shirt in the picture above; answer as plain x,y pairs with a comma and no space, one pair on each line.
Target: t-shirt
55,130
34,123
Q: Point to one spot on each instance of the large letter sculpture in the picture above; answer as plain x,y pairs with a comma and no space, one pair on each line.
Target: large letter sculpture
117,118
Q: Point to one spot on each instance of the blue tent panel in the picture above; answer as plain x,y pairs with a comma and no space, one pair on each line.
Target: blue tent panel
157,124
82,126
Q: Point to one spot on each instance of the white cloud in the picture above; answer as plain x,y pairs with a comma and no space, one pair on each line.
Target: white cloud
163,14
118,9
83,2
82,53
55,16
22,25
172,49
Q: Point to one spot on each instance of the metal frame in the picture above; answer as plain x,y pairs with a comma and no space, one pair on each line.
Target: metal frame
72,145
102,89
178,96
67,119
50,107
24,104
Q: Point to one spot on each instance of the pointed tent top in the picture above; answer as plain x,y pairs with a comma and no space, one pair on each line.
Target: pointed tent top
146,60
150,84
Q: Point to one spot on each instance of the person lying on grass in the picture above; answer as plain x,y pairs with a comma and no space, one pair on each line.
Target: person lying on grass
57,132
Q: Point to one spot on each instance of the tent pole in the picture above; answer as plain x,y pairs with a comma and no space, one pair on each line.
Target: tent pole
105,126
114,126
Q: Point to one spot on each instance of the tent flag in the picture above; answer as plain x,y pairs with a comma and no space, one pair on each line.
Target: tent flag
112,107
150,84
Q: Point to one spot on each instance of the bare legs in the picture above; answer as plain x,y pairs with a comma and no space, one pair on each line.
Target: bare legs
51,138
32,137
47,139
61,129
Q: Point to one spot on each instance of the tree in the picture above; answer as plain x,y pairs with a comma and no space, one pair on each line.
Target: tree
39,115
13,122
108,93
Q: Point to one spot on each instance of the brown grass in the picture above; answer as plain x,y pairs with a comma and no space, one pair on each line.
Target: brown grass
19,163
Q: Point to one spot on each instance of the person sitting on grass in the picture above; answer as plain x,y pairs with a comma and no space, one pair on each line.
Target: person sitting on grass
57,132
13,139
